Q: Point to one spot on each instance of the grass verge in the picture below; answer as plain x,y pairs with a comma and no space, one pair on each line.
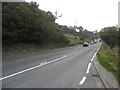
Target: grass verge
73,40
22,48
108,58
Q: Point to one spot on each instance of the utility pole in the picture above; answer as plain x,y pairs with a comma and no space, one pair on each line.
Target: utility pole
75,24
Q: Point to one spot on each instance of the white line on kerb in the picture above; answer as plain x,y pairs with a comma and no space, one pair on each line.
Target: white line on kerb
89,65
83,80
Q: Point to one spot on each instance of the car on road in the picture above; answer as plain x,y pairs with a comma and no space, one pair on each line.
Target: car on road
85,44
95,41
100,40
91,42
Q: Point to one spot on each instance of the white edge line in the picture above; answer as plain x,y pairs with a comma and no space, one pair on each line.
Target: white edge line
95,54
89,65
41,64
83,80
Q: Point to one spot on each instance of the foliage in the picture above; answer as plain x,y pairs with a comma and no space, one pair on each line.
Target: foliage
26,23
73,40
108,58
83,33
110,36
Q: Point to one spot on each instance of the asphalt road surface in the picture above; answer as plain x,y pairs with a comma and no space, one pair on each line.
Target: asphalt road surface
61,68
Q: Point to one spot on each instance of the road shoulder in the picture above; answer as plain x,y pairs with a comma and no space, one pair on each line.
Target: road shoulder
107,77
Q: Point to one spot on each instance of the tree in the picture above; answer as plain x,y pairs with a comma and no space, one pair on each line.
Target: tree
110,36
56,15
80,29
51,17
25,23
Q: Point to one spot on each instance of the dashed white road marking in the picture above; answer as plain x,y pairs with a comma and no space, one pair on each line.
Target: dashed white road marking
83,80
44,63
89,65
88,69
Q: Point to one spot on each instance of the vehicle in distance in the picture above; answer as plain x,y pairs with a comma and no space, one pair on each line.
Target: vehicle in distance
95,41
91,42
100,40
85,44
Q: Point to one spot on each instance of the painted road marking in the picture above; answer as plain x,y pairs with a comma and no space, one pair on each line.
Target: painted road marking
95,54
57,59
89,65
88,69
41,64
83,80
20,72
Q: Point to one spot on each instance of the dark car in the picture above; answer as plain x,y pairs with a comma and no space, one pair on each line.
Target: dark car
85,44
99,40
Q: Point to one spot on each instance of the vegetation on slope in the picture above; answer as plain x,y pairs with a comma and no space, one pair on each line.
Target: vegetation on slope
108,53
25,23
73,40
108,58
26,27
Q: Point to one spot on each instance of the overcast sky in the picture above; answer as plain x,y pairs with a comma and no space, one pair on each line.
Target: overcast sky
91,14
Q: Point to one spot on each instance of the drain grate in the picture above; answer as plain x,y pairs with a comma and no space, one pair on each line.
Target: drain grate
94,75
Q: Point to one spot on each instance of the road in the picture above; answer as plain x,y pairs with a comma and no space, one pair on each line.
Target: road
70,67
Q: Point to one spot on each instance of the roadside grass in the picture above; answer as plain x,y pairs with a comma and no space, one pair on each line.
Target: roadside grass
73,40
108,58
22,48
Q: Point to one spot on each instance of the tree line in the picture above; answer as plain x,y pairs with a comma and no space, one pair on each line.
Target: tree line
83,33
110,36
24,22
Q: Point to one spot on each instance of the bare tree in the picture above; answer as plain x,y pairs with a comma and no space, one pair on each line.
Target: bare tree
56,15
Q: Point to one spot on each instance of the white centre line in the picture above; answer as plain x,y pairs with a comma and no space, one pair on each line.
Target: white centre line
21,72
83,80
41,64
57,59
88,69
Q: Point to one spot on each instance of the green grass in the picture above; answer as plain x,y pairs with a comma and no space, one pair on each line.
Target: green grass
73,40
108,59
70,36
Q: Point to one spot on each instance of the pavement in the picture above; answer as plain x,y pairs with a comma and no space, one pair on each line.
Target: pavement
107,77
71,67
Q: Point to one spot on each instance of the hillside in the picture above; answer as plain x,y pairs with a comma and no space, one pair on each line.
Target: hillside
25,23
25,27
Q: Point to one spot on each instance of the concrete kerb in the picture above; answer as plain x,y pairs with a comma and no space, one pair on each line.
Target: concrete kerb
106,77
